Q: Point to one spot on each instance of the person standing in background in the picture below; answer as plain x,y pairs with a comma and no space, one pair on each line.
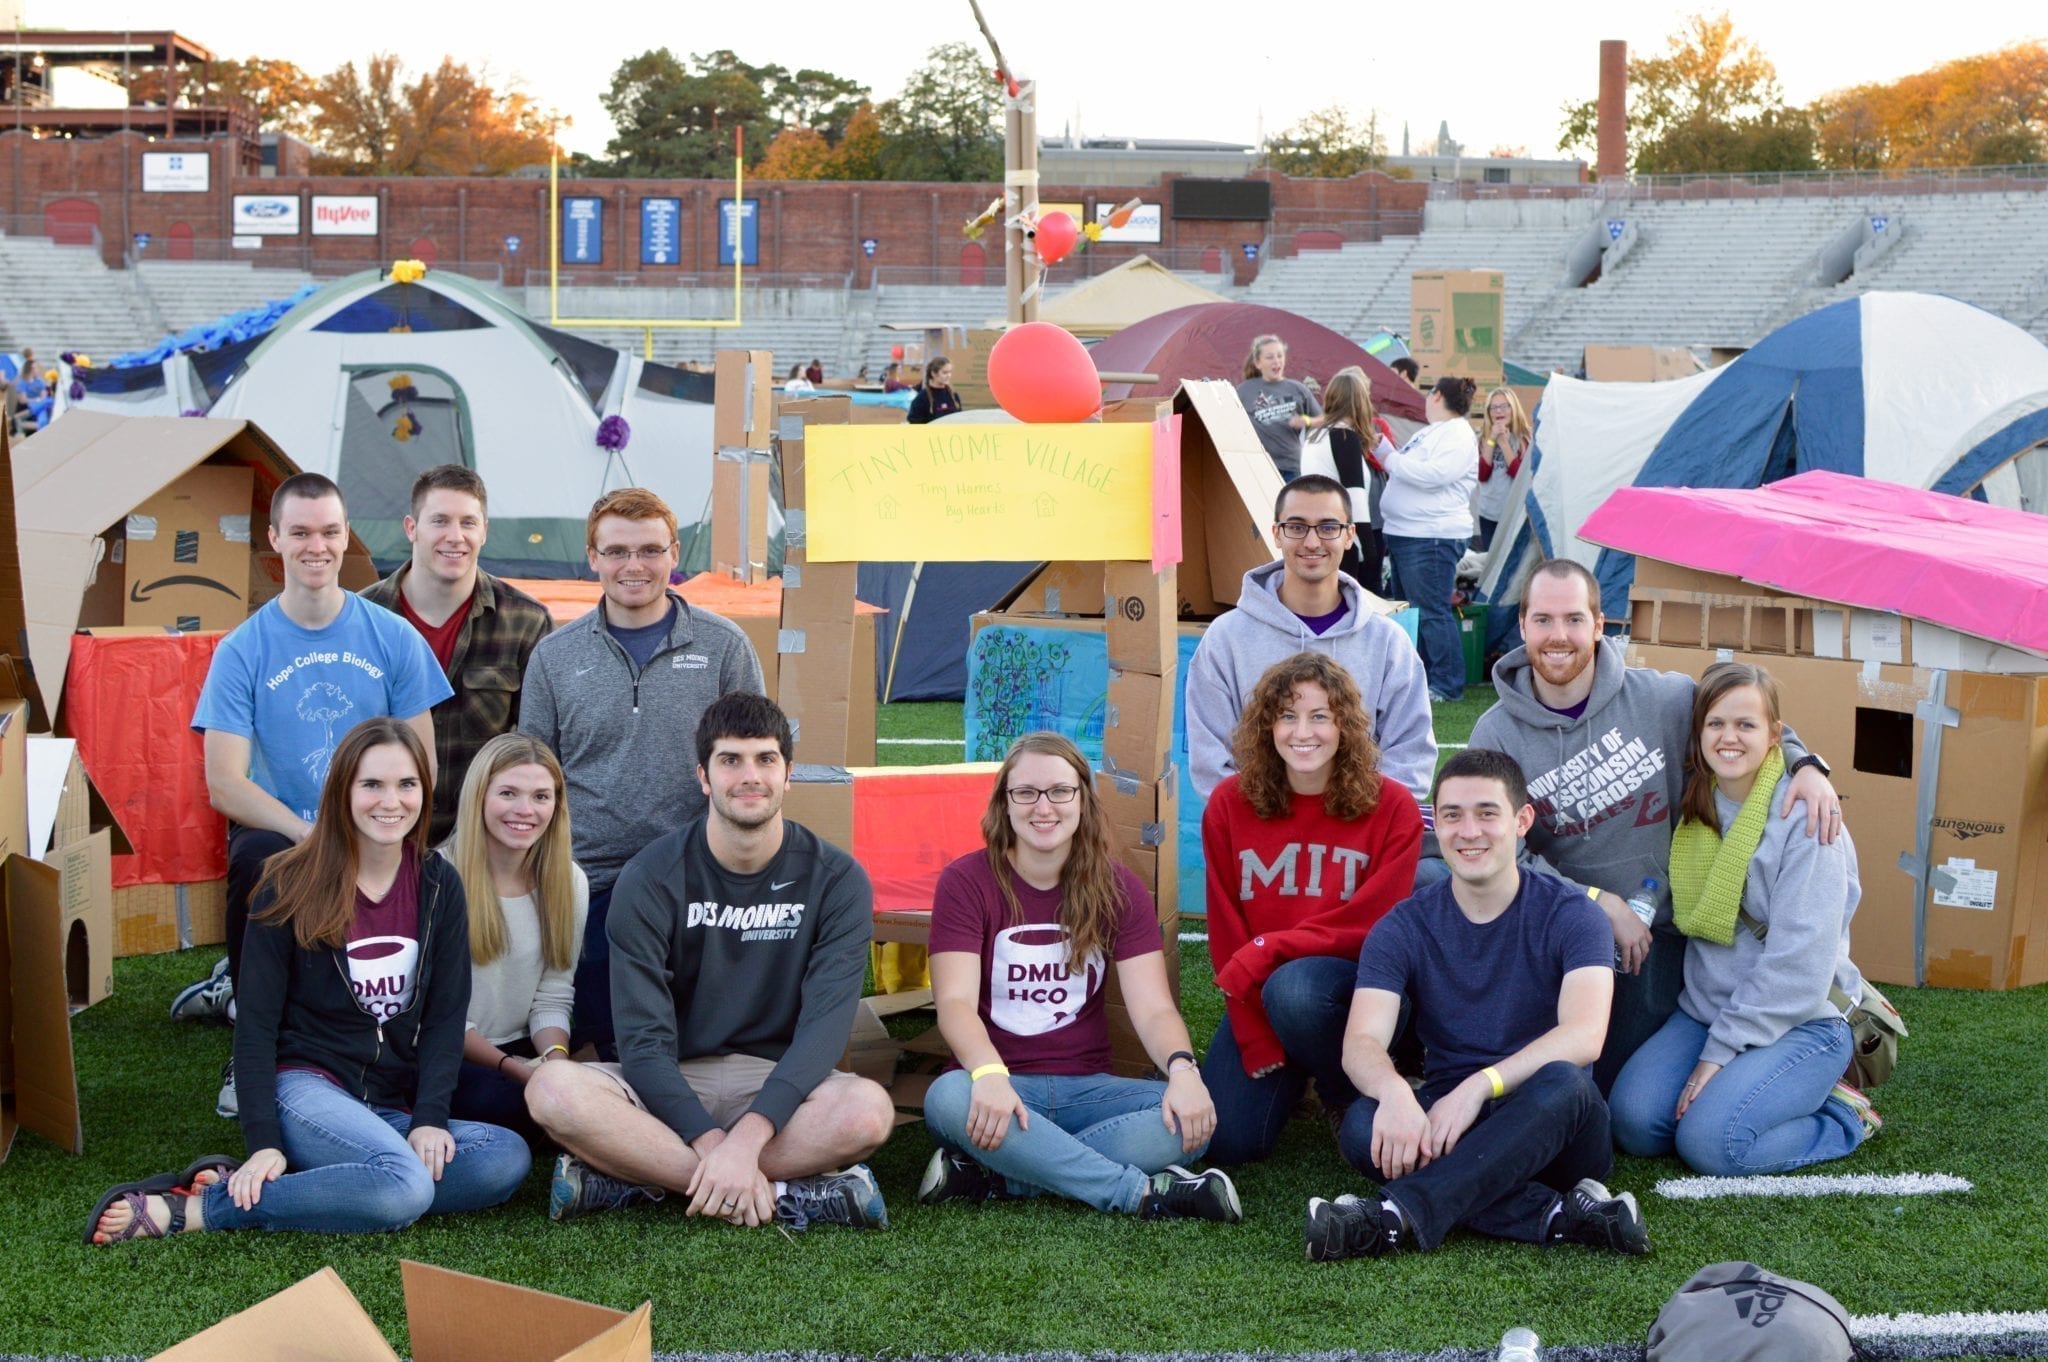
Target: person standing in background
1281,409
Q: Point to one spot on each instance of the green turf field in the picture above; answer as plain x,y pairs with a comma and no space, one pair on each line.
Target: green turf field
1967,1101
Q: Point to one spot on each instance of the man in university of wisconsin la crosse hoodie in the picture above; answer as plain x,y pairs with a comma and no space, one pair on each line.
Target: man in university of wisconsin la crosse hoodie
1236,650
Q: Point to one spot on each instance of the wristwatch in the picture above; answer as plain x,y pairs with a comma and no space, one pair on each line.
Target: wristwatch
1812,759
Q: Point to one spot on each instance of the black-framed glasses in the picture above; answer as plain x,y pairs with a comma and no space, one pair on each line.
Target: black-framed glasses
1297,530
1024,796
644,555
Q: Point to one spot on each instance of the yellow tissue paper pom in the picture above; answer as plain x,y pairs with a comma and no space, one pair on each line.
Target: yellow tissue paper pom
408,271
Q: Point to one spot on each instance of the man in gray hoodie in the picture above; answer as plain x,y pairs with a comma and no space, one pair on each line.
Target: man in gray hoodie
617,694
1305,603
1604,745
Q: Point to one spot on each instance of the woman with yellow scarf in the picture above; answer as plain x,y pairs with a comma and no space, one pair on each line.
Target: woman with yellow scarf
1747,1076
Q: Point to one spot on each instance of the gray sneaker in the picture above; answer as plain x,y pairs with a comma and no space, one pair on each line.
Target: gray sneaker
225,1103
578,1189
1178,1194
850,1197
208,999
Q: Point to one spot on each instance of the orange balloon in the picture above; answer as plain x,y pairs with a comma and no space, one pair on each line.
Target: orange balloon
1057,237
1041,375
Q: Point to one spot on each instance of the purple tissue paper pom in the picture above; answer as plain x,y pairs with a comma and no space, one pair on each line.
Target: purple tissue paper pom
69,357
77,391
192,411
612,433
677,577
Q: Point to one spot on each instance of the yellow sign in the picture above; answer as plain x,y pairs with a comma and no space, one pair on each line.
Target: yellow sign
968,493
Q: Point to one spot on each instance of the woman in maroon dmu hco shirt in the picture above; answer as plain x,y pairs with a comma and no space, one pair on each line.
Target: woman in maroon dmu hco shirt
348,1039
1307,846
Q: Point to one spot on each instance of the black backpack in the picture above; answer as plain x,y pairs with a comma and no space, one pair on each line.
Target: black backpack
1737,1312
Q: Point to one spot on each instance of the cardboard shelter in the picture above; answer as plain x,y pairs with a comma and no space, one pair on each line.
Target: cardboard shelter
1139,288
1638,363
72,829
1909,632
451,1317
1456,324
91,488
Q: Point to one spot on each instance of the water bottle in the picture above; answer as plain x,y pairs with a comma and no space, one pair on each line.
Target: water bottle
1518,1345
1643,903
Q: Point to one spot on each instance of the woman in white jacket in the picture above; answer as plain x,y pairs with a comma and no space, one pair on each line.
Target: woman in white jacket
1428,520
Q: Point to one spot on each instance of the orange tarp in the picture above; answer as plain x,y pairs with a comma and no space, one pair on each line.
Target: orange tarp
568,598
910,823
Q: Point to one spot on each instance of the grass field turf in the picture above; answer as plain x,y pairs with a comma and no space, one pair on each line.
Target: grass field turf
1967,1100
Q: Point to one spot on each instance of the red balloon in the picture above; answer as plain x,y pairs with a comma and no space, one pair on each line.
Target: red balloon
1057,236
896,352
1041,375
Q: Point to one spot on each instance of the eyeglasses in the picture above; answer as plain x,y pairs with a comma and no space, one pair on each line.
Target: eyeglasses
1325,529
642,555
1024,796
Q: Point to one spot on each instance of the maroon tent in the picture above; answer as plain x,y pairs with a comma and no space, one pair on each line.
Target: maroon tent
1210,340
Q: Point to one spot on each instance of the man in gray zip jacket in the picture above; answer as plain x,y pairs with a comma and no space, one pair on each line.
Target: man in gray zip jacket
617,694
1604,746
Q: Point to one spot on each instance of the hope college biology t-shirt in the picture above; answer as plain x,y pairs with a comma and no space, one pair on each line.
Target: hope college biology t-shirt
1043,1013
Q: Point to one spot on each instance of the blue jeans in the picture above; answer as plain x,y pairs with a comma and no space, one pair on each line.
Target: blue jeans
593,1021
1767,1111
1507,1172
1643,1002
1425,572
351,1171
1308,1002
1094,1138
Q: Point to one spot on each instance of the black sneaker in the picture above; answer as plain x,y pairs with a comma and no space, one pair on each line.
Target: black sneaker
851,1198
1177,1194
1349,1227
955,1177
578,1189
1590,1214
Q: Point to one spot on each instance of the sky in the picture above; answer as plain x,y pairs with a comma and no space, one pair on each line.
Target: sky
1497,72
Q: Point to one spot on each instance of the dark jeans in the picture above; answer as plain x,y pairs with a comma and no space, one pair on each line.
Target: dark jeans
248,850
1425,573
484,1094
1366,563
1308,1002
593,1021
1642,1004
1509,1169
1483,541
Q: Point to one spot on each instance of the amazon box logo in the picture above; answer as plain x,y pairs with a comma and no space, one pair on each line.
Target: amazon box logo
185,553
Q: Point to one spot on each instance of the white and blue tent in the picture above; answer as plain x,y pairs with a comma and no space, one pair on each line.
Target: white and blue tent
1908,388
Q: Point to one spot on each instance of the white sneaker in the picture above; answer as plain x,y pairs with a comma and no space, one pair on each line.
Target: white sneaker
226,1104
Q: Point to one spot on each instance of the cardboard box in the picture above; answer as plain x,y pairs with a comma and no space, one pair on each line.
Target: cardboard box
821,798
1142,813
14,839
824,655
743,406
150,919
1637,363
1987,842
1137,719
183,555
76,477
1456,324
1139,606
38,1074
451,1316
71,828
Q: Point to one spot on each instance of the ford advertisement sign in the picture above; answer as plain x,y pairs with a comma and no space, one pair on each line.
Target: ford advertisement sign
266,215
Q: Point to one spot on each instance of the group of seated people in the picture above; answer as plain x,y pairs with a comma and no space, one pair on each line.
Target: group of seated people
428,986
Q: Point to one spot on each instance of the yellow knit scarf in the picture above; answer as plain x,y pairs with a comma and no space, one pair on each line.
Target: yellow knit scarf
1708,870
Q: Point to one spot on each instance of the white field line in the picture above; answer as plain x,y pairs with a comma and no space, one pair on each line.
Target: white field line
1194,936
922,742
1831,1184
1972,1324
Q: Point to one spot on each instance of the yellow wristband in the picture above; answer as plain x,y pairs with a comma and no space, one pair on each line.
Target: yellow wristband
1493,1076
1593,892
975,1076
552,1048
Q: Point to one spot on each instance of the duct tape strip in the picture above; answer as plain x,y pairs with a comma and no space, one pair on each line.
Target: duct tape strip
734,453
1111,716
1935,715
184,903
747,398
1152,834
792,576
789,640
1126,782
818,773
235,528
793,528
141,527
1020,177
1052,600
791,426
1724,654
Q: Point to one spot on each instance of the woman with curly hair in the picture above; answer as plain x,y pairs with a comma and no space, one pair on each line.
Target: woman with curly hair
1022,935
1307,847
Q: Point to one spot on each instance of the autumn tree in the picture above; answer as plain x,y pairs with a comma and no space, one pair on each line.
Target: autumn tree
946,123
1329,143
448,121
277,94
1989,109
1709,103
797,154
859,153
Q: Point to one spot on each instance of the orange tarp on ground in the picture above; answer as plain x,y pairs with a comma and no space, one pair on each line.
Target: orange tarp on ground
128,699
568,599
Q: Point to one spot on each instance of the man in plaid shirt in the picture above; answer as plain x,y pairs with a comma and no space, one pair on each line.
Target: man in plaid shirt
481,629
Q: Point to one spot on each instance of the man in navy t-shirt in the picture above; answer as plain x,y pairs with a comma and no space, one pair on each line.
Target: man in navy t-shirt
1509,978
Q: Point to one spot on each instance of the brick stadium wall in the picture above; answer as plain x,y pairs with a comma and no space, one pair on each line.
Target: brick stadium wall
805,227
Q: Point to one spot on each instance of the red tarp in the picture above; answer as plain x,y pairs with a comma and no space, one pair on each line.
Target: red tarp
908,826
128,699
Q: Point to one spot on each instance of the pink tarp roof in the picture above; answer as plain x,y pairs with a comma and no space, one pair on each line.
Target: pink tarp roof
1978,569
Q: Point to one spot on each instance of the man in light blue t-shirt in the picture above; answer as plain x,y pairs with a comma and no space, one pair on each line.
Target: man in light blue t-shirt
284,687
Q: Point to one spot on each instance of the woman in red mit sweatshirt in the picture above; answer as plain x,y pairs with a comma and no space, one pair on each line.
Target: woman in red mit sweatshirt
1307,847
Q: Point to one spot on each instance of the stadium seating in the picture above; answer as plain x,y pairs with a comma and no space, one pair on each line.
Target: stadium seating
190,293
62,298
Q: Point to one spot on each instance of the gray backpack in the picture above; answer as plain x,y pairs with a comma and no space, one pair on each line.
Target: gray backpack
1737,1312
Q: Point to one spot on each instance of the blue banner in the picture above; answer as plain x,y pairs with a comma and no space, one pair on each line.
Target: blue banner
740,228
660,235
583,231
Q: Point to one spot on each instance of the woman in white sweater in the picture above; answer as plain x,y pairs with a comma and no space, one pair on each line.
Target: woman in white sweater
527,903
1427,510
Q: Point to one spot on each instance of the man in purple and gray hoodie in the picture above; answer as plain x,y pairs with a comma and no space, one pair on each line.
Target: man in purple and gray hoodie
1604,746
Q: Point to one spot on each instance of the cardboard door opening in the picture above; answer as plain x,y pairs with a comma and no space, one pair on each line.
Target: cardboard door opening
78,967
1884,743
